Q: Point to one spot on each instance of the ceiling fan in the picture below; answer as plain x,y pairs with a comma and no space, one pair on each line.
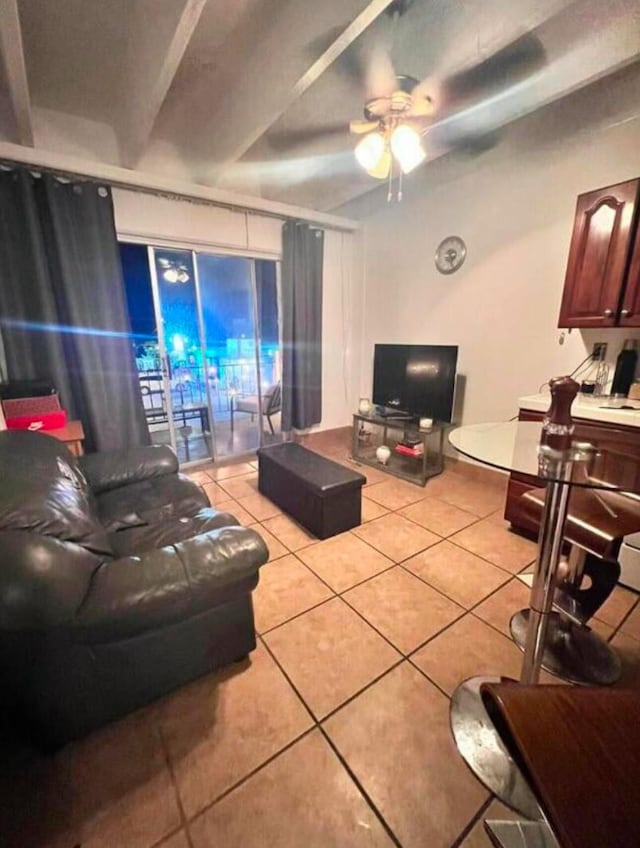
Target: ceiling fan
392,128
396,125
400,111
174,271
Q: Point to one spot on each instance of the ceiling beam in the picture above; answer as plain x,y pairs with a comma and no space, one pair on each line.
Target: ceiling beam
15,69
344,40
134,179
154,58
575,60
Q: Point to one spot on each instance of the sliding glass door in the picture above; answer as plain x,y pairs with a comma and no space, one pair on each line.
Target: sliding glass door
184,400
227,292
210,367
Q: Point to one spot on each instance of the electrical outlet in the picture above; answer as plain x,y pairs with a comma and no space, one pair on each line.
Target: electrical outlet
599,350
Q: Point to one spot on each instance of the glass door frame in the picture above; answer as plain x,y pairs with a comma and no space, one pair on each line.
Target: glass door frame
194,248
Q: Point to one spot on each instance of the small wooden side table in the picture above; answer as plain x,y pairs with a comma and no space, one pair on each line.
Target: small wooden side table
72,435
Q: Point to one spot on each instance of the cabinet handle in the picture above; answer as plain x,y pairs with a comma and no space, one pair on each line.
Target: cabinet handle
608,313
625,312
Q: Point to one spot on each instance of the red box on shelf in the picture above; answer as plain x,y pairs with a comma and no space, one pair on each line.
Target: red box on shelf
47,421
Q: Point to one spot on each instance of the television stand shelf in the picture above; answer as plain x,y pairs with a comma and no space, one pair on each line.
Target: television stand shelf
370,431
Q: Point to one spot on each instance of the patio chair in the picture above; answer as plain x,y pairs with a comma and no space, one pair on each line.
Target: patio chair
271,404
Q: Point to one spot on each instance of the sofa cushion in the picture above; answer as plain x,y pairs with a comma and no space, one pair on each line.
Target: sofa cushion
43,491
134,595
113,469
149,502
173,529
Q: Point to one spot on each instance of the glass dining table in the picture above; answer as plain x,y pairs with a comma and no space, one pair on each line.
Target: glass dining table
521,447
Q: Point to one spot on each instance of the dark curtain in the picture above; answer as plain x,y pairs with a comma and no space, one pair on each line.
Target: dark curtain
302,255
63,313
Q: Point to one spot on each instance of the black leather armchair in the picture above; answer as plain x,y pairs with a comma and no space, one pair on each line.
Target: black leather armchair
118,583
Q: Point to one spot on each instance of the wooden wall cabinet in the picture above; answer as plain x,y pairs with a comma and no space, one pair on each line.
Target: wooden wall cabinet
602,283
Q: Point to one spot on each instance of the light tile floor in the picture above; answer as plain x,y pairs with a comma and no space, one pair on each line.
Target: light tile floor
335,732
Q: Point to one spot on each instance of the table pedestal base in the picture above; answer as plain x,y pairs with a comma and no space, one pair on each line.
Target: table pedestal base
571,651
484,752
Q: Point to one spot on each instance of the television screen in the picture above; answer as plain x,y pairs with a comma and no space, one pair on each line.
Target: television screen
417,379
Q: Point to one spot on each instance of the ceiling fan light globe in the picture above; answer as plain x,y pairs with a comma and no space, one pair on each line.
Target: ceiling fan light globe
171,275
370,150
381,170
406,146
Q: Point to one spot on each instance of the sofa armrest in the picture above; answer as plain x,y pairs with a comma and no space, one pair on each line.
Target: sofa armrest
111,469
138,593
43,580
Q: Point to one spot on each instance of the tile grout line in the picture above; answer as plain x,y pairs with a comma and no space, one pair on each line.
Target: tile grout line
266,632
367,798
174,783
509,576
401,565
358,613
241,781
625,617
484,559
166,839
476,818
318,725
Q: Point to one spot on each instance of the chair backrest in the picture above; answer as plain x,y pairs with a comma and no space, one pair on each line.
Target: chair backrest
274,402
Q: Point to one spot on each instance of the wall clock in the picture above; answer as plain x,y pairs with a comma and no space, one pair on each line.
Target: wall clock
450,255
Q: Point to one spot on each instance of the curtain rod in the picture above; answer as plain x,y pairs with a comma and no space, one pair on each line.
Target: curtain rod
71,176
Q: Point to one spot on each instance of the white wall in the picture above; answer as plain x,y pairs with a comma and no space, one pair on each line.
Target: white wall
342,321
168,221
514,207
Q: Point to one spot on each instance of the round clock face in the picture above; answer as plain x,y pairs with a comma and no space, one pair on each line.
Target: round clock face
450,254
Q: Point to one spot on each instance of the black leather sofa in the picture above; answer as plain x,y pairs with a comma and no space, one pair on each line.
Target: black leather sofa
118,583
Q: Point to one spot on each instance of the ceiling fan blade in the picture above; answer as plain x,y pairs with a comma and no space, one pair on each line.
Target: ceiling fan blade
288,139
359,127
460,135
507,66
422,106
379,73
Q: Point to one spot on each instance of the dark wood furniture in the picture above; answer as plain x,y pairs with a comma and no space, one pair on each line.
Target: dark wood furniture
324,496
72,435
623,449
579,749
602,283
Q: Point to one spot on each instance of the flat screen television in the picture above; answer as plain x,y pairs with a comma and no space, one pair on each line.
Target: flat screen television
415,379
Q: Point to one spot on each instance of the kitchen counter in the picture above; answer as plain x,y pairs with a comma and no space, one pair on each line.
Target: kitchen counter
595,409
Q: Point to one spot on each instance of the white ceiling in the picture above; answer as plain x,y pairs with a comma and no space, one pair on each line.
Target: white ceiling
226,92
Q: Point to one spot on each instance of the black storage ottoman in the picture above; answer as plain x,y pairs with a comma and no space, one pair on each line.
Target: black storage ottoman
323,496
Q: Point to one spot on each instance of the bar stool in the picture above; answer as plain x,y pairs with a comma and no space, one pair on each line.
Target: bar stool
597,521
579,750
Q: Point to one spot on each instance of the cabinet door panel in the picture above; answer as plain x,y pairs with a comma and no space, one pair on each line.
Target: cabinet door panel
598,255
630,307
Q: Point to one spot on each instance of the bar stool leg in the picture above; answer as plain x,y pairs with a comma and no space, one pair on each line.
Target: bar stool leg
475,735
549,549
572,651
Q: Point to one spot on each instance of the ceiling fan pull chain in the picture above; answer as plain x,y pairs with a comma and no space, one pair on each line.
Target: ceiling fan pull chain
390,188
399,196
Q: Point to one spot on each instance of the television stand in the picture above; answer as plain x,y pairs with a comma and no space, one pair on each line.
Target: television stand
391,415
373,430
